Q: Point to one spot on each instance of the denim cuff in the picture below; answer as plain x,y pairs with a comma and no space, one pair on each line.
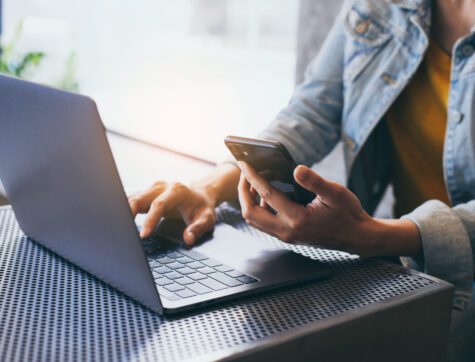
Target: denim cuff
446,247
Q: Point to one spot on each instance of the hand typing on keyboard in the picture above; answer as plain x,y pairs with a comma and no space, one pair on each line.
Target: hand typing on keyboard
174,200
195,204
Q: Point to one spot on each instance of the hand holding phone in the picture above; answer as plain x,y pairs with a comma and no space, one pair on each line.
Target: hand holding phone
272,160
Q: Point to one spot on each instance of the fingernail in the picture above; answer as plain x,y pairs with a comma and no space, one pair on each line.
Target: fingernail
192,237
302,173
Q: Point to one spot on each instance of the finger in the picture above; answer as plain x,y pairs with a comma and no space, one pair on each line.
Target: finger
246,199
272,196
262,203
264,220
140,203
253,192
252,212
201,224
158,208
328,192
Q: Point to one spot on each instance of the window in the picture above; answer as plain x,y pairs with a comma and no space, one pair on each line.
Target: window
180,73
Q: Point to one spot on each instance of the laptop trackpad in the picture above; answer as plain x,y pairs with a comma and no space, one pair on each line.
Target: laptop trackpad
247,253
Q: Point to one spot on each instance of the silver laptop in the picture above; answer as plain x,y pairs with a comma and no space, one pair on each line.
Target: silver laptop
61,179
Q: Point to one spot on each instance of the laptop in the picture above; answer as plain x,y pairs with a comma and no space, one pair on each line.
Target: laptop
60,177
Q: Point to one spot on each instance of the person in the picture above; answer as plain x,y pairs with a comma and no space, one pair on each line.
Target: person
395,81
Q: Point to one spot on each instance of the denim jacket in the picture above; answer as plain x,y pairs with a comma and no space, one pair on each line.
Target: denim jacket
368,58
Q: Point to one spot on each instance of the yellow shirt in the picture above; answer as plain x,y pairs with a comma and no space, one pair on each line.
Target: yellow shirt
417,123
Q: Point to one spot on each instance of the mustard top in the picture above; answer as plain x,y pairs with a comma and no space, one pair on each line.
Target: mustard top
417,123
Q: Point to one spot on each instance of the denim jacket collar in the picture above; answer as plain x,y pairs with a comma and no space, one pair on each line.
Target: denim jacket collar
409,4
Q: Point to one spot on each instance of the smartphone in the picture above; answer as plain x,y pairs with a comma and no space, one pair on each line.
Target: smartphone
272,160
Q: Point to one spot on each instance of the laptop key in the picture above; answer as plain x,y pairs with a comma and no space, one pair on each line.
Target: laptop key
174,254
235,274
153,241
185,293
223,278
173,275
184,281
213,284
247,279
153,263
223,268
186,271
195,265
162,269
206,270
164,260
211,262
163,281
197,276
186,260
165,293
174,287
175,265
199,288
193,254
152,247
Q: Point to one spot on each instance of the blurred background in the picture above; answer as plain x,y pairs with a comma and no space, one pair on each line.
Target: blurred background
179,74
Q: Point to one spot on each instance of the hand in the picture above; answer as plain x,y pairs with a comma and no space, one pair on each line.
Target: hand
333,220
175,200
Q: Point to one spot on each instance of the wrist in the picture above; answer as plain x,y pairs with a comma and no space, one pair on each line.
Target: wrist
369,238
220,185
394,237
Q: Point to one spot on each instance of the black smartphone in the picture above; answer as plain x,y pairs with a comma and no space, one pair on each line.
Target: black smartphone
272,161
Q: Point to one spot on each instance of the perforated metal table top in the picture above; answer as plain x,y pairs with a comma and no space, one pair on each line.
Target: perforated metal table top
52,310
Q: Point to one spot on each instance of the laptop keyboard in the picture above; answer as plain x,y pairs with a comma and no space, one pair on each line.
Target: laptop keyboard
183,273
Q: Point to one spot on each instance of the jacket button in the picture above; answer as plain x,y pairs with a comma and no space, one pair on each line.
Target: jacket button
388,79
467,50
361,27
456,117
352,146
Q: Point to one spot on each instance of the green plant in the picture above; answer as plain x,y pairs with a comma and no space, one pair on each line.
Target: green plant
22,65
68,81
14,64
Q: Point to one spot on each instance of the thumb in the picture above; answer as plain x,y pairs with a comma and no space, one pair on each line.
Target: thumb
327,191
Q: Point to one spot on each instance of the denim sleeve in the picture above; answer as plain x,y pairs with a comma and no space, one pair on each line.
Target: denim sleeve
310,126
448,235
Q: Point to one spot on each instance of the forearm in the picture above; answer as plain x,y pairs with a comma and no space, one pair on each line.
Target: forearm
221,184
